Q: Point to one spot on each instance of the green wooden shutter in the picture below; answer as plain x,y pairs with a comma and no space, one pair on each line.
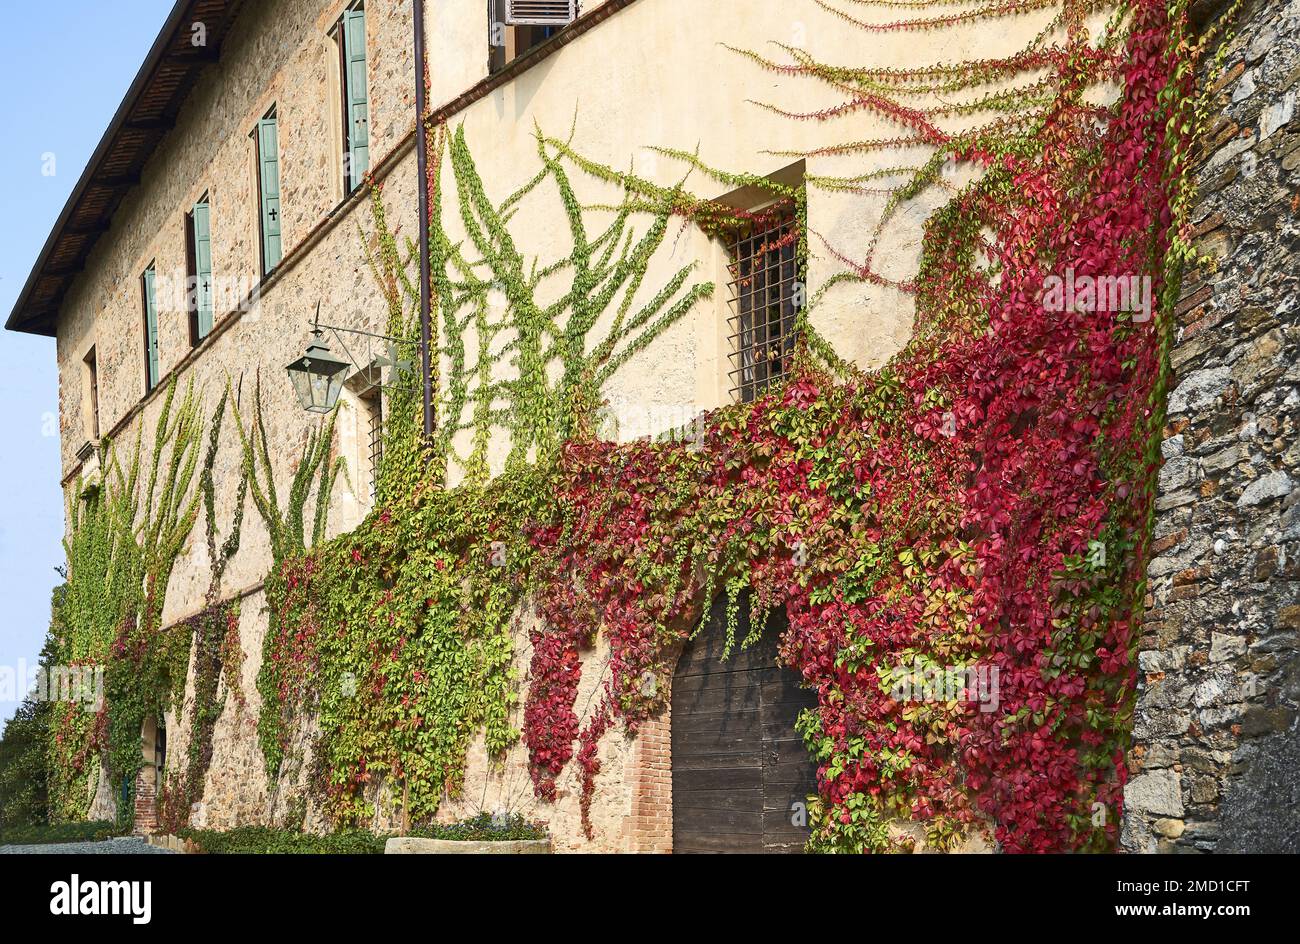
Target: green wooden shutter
150,330
203,267
268,155
354,88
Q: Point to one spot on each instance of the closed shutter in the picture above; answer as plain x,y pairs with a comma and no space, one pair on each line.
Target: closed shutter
268,172
354,89
541,12
203,267
150,330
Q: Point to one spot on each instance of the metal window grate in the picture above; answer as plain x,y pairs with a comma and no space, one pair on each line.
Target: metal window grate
375,413
765,296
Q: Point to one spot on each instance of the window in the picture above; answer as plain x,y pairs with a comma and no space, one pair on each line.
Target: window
372,428
766,294
198,257
153,746
151,372
517,26
160,754
266,150
90,376
350,38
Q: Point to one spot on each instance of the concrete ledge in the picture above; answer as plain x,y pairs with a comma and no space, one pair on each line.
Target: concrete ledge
409,845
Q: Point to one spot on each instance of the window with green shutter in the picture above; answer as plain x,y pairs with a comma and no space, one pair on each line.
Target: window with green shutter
350,35
151,371
267,144
200,270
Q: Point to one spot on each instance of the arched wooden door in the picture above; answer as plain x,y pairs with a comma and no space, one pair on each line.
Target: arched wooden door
740,770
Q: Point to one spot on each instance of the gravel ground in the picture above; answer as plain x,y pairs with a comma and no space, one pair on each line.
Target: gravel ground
126,845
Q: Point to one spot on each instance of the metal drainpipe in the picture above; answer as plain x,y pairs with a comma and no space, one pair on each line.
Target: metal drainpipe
422,170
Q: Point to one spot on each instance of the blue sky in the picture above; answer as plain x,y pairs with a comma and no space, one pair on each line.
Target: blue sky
71,63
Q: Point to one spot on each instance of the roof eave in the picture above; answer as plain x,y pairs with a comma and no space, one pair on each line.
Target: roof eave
26,316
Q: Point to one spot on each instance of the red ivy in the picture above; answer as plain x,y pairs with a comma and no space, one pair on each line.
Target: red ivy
946,508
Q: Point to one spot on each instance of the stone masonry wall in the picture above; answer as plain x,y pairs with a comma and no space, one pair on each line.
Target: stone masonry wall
1217,756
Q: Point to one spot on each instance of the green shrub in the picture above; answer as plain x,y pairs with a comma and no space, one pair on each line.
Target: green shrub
263,840
23,746
44,833
484,828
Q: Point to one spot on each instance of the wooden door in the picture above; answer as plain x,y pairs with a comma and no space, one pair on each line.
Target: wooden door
739,767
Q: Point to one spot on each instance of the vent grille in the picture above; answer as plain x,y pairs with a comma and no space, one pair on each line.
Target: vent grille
541,12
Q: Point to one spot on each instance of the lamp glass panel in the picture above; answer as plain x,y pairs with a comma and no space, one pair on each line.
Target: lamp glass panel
301,386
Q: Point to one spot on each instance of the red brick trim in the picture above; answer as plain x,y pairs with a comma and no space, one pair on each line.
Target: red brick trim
146,804
650,826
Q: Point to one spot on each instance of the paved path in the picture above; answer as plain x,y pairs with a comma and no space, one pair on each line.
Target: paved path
126,845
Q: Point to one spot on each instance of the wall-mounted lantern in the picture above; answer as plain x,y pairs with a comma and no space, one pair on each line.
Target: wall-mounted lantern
318,375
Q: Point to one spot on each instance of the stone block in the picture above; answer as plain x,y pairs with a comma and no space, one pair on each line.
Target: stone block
1200,389
1155,791
1224,647
1272,485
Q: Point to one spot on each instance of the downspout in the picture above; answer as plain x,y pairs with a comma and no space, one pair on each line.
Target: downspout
422,170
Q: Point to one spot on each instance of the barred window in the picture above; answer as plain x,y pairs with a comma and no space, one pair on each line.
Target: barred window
373,428
764,266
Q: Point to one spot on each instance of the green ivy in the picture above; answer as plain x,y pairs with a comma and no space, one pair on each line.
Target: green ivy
128,525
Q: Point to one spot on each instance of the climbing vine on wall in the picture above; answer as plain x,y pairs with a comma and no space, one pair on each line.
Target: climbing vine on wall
215,632
486,289
127,528
979,508
313,482
980,504
215,652
398,636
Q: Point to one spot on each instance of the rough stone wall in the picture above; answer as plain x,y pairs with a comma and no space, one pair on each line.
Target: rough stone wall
278,52
1217,748
236,792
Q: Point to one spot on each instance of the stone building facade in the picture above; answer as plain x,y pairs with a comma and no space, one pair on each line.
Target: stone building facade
1217,747
625,75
